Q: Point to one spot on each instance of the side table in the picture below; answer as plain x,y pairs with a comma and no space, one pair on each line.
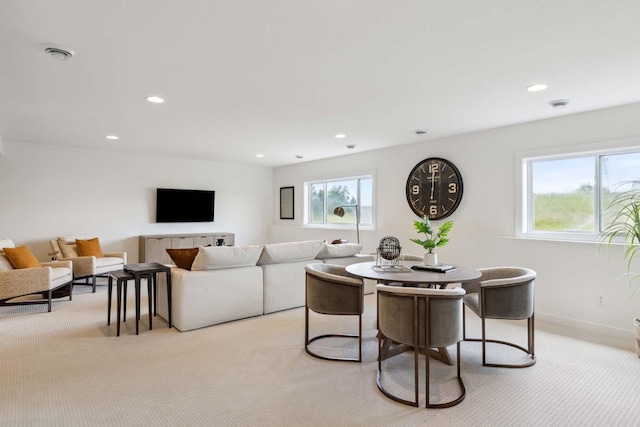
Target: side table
121,279
149,270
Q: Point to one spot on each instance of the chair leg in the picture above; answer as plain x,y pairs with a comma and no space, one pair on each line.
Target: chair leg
308,341
529,350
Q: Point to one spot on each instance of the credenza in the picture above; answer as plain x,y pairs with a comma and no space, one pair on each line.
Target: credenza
153,247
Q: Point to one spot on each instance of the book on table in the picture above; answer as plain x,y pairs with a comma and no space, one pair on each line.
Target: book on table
439,268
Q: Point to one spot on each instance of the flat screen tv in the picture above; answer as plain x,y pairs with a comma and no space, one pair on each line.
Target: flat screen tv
173,205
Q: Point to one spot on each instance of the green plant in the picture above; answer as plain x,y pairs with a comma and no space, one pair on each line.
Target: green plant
625,210
434,239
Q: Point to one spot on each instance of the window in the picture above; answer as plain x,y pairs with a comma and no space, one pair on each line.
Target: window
322,197
569,194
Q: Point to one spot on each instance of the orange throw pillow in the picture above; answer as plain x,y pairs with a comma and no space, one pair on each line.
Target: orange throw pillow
89,247
183,258
21,257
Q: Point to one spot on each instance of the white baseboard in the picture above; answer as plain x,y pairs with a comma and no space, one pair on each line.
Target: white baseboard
586,326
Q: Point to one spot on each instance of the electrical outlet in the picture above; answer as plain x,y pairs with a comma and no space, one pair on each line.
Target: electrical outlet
600,299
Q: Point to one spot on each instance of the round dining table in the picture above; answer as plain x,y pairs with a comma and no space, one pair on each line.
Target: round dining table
410,277
404,275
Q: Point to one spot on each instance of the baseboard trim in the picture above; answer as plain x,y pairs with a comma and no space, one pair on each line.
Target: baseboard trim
586,326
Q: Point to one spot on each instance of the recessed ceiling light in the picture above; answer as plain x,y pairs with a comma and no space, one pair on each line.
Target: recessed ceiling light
155,99
260,155
537,87
113,137
340,135
350,146
298,156
421,131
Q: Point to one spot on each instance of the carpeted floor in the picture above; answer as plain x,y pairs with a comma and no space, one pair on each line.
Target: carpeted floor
67,368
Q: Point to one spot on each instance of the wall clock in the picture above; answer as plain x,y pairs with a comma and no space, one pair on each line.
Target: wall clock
434,188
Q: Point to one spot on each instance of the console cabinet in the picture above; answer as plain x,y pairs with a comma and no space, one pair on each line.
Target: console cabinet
153,247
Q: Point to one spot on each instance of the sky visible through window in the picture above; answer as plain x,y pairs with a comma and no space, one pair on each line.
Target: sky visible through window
568,175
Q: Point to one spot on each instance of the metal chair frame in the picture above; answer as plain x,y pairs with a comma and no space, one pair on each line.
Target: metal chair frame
530,350
308,340
416,351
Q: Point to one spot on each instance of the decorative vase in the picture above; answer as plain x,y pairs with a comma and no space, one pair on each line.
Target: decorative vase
430,258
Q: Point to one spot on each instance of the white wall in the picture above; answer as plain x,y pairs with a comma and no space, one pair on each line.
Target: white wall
570,274
47,191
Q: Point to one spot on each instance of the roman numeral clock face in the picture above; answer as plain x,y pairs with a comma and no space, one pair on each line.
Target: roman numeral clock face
434,188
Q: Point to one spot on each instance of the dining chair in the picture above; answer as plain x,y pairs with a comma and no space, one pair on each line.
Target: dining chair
331,290
503,293
419,319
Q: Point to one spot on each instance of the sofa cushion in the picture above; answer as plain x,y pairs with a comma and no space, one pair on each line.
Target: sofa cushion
21,257
184,257
219,257
5,264
276,253
69,250
90,247
339,251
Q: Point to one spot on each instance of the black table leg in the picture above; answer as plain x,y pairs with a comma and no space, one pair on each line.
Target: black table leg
150,297
109,301
168,273
137,279
119,295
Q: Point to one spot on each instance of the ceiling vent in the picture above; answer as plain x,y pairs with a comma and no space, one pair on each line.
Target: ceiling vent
559,103
58,53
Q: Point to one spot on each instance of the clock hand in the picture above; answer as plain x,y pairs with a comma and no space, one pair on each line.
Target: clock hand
433,175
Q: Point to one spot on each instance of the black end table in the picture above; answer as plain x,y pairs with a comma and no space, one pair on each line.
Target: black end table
149,270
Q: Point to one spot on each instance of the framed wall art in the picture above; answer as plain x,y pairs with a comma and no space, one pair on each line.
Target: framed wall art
286,202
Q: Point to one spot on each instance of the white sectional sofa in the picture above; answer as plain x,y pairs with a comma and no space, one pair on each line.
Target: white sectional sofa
234,282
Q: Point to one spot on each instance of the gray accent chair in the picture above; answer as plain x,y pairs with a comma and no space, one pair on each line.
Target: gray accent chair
419,319
329,289
503,293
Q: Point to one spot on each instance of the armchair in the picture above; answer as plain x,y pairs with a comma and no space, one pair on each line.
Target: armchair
15,283
64,248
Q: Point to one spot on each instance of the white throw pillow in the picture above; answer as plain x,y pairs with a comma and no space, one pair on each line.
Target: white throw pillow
71,239
219,257
5,264
340,250
6,243
275,253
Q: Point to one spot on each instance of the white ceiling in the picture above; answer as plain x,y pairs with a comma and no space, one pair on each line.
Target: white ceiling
282,77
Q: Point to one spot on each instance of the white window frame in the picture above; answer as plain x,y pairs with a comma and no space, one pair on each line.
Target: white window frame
524,196
339,177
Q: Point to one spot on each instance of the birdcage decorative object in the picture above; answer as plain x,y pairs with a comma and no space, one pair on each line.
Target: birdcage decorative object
389,251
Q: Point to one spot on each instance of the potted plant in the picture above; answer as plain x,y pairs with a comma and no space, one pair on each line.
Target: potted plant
625,226
433,238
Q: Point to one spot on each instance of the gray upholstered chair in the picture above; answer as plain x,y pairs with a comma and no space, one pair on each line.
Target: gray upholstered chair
331,290
86,267
419,319
19,282
503,293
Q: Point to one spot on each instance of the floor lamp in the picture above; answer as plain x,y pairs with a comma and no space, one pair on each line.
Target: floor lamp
340,212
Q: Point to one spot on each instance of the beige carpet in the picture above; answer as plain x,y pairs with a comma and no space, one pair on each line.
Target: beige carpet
67,368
